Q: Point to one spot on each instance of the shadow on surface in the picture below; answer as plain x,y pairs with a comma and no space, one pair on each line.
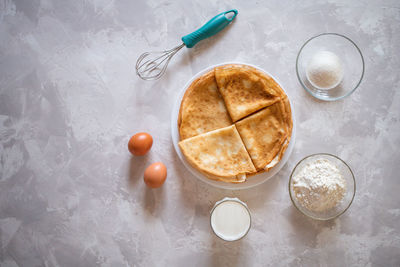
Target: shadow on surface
137,165
152,197
227,253
307,229
153,200
184,177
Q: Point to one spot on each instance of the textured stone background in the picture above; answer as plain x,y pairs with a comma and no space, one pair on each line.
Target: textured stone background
71,194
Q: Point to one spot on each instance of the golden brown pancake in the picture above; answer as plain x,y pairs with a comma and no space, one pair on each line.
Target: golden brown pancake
229,152
266,134
202,108
219,154
289,123
245,89
288,114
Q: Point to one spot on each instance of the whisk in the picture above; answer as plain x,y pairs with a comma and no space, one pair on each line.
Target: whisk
152,65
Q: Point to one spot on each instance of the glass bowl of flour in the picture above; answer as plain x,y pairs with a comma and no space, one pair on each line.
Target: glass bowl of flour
322,186
330,66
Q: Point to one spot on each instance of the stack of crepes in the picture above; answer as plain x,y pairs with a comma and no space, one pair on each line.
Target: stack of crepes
234,121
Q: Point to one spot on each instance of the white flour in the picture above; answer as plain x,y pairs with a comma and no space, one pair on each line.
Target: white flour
319,185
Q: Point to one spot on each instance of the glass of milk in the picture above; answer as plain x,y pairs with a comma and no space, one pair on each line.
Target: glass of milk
230,219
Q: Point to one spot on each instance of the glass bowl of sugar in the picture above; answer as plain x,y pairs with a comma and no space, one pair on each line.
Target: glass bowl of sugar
330,66
322,186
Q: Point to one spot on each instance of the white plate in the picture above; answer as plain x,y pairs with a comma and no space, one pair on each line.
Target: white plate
251,181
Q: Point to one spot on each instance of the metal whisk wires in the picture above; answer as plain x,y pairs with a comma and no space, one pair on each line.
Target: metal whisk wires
152,65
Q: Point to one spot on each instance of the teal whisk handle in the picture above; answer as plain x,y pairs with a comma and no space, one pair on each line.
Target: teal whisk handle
213,26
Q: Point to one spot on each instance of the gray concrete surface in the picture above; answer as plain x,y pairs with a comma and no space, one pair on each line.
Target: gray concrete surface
71,194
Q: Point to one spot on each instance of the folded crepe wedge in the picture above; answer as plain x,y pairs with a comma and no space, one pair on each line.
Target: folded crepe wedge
219,154
202,108
266,134
289,123
246,89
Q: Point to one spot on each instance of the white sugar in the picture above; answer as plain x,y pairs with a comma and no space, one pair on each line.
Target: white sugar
325,70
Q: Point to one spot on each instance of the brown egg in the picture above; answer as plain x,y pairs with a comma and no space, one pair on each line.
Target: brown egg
155,175
140,144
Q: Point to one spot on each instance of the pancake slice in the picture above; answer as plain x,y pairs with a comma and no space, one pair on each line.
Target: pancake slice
288,115
266,135
202,108
289,124
246,90
219,154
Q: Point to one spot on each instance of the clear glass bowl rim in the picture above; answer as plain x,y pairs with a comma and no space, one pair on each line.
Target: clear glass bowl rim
318,218
311,92
225,199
